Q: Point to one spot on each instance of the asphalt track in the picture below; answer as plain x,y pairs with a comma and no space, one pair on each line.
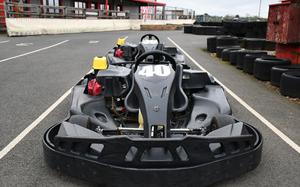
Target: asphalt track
32,82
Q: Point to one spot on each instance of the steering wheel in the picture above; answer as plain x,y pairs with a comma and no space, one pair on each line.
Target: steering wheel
150,36
156,58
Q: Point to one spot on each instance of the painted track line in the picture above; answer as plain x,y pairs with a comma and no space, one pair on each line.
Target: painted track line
19,138
6,41
284,137
35,51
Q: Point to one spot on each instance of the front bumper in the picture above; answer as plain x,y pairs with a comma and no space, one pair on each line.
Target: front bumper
191,173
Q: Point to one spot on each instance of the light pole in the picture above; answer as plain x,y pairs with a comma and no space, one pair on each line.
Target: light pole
259,8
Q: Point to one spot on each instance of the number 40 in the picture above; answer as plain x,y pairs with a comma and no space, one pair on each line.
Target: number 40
158,70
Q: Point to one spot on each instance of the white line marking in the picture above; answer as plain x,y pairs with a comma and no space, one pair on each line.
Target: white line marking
2,42
284,137
19,138
23,44
42,49
93,42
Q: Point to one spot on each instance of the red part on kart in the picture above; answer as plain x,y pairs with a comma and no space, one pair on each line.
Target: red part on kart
94,88
119,53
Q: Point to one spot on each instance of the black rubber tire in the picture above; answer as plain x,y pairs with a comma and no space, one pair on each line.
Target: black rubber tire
270,46
253,43
290,84
221,120
207,30
188,29
262,67
249,62
226,53
227,41
212,44
277,71
221,48
233,56
241,55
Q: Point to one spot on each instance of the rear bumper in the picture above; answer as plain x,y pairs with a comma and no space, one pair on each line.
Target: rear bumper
110,175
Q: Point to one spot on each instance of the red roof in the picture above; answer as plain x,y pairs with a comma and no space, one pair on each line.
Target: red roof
150,2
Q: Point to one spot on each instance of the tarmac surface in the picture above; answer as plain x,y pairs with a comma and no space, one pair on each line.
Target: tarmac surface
52,64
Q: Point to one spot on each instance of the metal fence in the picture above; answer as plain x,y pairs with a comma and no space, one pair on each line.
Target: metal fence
15,10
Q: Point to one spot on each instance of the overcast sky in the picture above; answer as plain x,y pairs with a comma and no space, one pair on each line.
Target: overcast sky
223,7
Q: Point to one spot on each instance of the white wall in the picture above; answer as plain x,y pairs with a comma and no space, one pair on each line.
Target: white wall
38,26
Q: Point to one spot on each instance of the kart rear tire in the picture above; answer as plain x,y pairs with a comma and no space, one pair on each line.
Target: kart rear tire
277,71
290,84
262,67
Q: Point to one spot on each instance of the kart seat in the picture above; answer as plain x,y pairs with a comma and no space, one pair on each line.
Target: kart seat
177,99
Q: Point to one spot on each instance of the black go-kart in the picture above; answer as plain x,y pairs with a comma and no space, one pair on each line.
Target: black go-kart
129,52
154,124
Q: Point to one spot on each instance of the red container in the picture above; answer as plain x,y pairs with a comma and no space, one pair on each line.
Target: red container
284,22
290,51
2,14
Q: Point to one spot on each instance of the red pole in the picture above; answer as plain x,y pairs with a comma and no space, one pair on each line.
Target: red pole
106,7
2,14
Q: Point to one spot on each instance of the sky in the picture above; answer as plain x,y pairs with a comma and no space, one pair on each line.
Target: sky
224,7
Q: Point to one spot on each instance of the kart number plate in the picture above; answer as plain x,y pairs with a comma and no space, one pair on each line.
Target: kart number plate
155,70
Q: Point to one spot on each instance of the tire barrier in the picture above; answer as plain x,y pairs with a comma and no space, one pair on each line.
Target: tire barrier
226,52
253,43
255,29
241,54
212,44
262,66
220,49
207,30
290,84
270,46
257,44
227,41
233,56
277,71
208,23
249,62
188,29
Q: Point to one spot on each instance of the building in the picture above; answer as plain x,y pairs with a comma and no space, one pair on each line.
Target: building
80,8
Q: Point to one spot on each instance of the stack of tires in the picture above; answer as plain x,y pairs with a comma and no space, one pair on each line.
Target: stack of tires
287,78
188,29
262,66
207,30
212,44
221,43
252,58
256,29
257,44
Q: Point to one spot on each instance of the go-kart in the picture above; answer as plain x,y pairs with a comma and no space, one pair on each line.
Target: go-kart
124,51
155,124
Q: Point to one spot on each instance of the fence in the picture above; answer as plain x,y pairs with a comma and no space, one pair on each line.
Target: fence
15,10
